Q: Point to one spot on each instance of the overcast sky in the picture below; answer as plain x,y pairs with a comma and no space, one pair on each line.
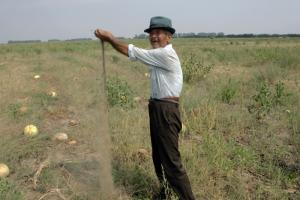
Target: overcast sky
66,19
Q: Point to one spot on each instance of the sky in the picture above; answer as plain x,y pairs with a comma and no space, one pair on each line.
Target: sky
67,19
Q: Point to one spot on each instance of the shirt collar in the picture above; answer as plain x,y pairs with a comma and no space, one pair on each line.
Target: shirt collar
168,46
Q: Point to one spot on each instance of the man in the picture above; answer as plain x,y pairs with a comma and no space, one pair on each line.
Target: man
166,85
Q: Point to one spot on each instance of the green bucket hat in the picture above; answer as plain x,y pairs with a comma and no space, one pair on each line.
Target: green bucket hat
161,23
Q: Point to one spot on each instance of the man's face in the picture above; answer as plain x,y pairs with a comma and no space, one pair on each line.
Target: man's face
159,38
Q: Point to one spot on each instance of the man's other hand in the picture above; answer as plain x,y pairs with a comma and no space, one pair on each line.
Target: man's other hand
103,35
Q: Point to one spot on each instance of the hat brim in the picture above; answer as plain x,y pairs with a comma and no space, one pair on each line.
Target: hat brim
171,30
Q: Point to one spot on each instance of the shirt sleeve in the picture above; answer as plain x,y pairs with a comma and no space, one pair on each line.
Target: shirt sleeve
155,57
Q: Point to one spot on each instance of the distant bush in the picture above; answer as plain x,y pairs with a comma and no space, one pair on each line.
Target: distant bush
119,93
23,41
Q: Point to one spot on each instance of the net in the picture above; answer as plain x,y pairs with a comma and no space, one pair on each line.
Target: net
67,97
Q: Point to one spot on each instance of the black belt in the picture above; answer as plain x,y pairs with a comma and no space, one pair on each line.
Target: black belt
171,98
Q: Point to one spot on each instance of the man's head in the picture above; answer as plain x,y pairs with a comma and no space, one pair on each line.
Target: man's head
160,31
159,38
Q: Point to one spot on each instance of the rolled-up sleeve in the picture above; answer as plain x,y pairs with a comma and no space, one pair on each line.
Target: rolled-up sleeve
154,57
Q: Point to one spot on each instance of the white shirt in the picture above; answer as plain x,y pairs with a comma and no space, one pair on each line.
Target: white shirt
165,69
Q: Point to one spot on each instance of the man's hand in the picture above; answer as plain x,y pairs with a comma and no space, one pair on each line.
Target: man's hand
104,35
109,37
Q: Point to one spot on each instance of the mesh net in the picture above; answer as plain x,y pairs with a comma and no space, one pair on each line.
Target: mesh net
43,167
85,167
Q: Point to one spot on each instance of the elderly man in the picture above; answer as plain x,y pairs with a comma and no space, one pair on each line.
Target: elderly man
166,85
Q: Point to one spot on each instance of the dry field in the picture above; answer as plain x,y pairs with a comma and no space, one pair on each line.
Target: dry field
240,107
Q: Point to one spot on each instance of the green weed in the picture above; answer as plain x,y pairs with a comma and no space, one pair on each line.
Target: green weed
46,180
229,91
268,96
119,93
3,66
115,59
38,68
8,191
294,123
194,68
217,152
81,197
14,110
16,149
37,51
263,98
134,179
43,99
279,94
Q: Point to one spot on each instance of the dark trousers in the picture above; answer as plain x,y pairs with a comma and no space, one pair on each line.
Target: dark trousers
165,124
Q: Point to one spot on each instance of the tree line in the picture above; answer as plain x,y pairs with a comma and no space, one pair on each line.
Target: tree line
51,40
220,35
